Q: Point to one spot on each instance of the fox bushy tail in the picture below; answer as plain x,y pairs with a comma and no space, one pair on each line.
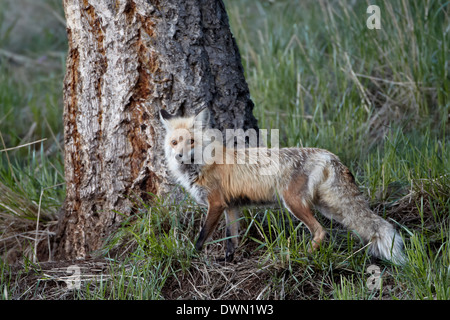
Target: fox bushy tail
338,198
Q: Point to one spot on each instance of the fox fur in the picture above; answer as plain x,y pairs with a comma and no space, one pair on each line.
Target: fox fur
306,178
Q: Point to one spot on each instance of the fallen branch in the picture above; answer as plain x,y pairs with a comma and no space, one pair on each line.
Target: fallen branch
23,145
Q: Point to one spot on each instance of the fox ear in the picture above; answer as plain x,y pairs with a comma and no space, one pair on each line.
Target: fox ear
165,117
203,118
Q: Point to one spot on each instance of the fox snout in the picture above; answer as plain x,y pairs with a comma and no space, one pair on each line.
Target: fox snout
184,156
179,158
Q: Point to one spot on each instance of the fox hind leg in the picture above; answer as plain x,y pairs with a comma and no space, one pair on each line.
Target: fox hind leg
292,201
232,232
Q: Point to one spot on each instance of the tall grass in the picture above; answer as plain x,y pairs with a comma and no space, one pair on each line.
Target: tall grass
317,72
32,50
376,98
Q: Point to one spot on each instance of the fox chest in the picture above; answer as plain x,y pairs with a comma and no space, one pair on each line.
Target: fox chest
187,180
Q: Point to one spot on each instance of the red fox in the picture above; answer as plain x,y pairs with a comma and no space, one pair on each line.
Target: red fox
304,178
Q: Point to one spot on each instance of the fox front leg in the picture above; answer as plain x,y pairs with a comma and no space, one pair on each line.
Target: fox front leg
215,210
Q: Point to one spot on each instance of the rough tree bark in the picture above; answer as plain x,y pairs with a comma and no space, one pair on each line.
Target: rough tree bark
127,59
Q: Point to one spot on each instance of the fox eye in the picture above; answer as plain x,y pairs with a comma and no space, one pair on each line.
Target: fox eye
174,142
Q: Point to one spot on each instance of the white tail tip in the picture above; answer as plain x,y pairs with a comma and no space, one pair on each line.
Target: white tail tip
389,246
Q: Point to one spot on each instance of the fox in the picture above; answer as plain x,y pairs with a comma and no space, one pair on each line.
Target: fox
304,179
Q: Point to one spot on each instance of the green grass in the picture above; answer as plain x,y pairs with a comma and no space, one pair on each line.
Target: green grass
376,98
32,50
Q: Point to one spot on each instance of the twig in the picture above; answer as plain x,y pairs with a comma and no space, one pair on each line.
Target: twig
355,253
37,220
8,208
23,145
16,57
390,81
365,98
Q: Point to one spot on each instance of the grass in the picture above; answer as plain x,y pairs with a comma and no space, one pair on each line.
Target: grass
376,98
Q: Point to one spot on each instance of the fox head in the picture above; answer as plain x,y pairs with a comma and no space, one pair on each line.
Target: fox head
184,136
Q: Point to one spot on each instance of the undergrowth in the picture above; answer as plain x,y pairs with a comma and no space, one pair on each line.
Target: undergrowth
376,98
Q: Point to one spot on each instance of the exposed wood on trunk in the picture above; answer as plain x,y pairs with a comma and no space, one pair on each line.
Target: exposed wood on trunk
127,60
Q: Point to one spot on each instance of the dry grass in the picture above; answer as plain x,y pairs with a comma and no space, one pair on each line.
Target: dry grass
20,229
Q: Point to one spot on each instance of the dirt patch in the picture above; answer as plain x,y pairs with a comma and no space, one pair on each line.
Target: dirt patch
216,280
53,280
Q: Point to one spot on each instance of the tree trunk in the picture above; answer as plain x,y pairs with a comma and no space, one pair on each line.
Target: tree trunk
127,59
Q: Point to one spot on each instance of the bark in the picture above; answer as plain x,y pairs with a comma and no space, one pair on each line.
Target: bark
127,59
